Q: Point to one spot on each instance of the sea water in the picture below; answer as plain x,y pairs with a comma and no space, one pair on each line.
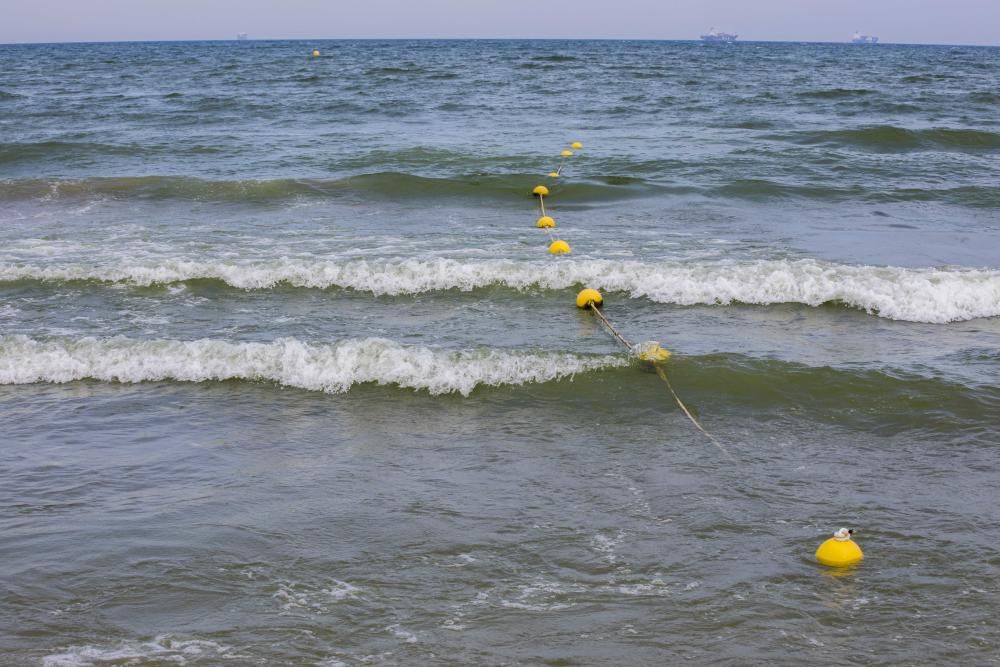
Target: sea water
288,376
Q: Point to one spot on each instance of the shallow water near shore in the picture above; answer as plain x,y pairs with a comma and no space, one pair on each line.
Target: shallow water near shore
287,375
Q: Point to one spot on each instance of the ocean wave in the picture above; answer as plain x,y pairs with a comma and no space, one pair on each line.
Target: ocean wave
391,185
915,295
893,138
760,189
882,398
834,93
164,649
863,397
12,153
332,368
985,97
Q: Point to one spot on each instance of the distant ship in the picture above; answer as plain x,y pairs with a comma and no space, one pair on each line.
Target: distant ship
864,39
241,36
714,35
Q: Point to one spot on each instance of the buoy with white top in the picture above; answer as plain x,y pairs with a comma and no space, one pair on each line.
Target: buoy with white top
840,550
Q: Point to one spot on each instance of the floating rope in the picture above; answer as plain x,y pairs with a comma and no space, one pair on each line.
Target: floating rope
658,365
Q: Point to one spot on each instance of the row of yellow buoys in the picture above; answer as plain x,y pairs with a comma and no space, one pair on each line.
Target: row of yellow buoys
546,221
838,551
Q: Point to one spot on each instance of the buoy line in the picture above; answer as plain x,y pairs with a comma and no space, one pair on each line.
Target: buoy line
649,353
839,551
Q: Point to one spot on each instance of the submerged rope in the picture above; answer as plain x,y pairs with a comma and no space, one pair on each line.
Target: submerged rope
614,332
663,376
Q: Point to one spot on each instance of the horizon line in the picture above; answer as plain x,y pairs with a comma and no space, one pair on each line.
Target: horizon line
470,39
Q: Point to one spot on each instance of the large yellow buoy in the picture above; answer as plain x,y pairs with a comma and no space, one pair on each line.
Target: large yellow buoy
559,247
567,153
540,190
553,174
839,550
545,222
315,53
589,297
576,144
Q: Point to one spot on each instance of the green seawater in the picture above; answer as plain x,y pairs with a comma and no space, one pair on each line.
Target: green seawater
287,375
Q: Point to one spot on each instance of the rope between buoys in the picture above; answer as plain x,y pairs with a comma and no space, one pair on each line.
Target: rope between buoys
663,376
614,332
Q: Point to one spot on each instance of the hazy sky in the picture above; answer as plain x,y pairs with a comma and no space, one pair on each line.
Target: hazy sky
914,21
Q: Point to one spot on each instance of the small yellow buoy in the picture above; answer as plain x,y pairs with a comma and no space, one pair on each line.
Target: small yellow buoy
315,53
545,222
839,550
589,297
558,247
567,153
540,190
576,144
554,174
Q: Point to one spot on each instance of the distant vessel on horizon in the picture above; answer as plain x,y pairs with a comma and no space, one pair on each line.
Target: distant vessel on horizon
714,35
241,36
858,38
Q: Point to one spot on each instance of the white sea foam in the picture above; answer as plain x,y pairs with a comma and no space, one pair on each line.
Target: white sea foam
918,295
330,368
402,634
162,649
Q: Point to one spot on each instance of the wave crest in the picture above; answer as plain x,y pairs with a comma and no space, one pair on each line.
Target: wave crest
915,295
891,137
332,368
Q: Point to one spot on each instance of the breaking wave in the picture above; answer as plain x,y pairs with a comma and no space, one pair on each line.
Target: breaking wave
915,295
331,368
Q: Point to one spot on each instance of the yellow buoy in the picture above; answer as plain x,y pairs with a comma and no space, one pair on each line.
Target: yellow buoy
540,190
315,53
651,352
545,222
554,174
576,144
559,247
567,153
839,550
589,297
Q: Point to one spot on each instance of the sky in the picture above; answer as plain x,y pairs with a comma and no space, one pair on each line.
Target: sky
901,21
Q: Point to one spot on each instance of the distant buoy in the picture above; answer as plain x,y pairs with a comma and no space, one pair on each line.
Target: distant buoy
567,153
545,222
839,550
540,190
589,297
315,53
554,174
576,144
559,247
